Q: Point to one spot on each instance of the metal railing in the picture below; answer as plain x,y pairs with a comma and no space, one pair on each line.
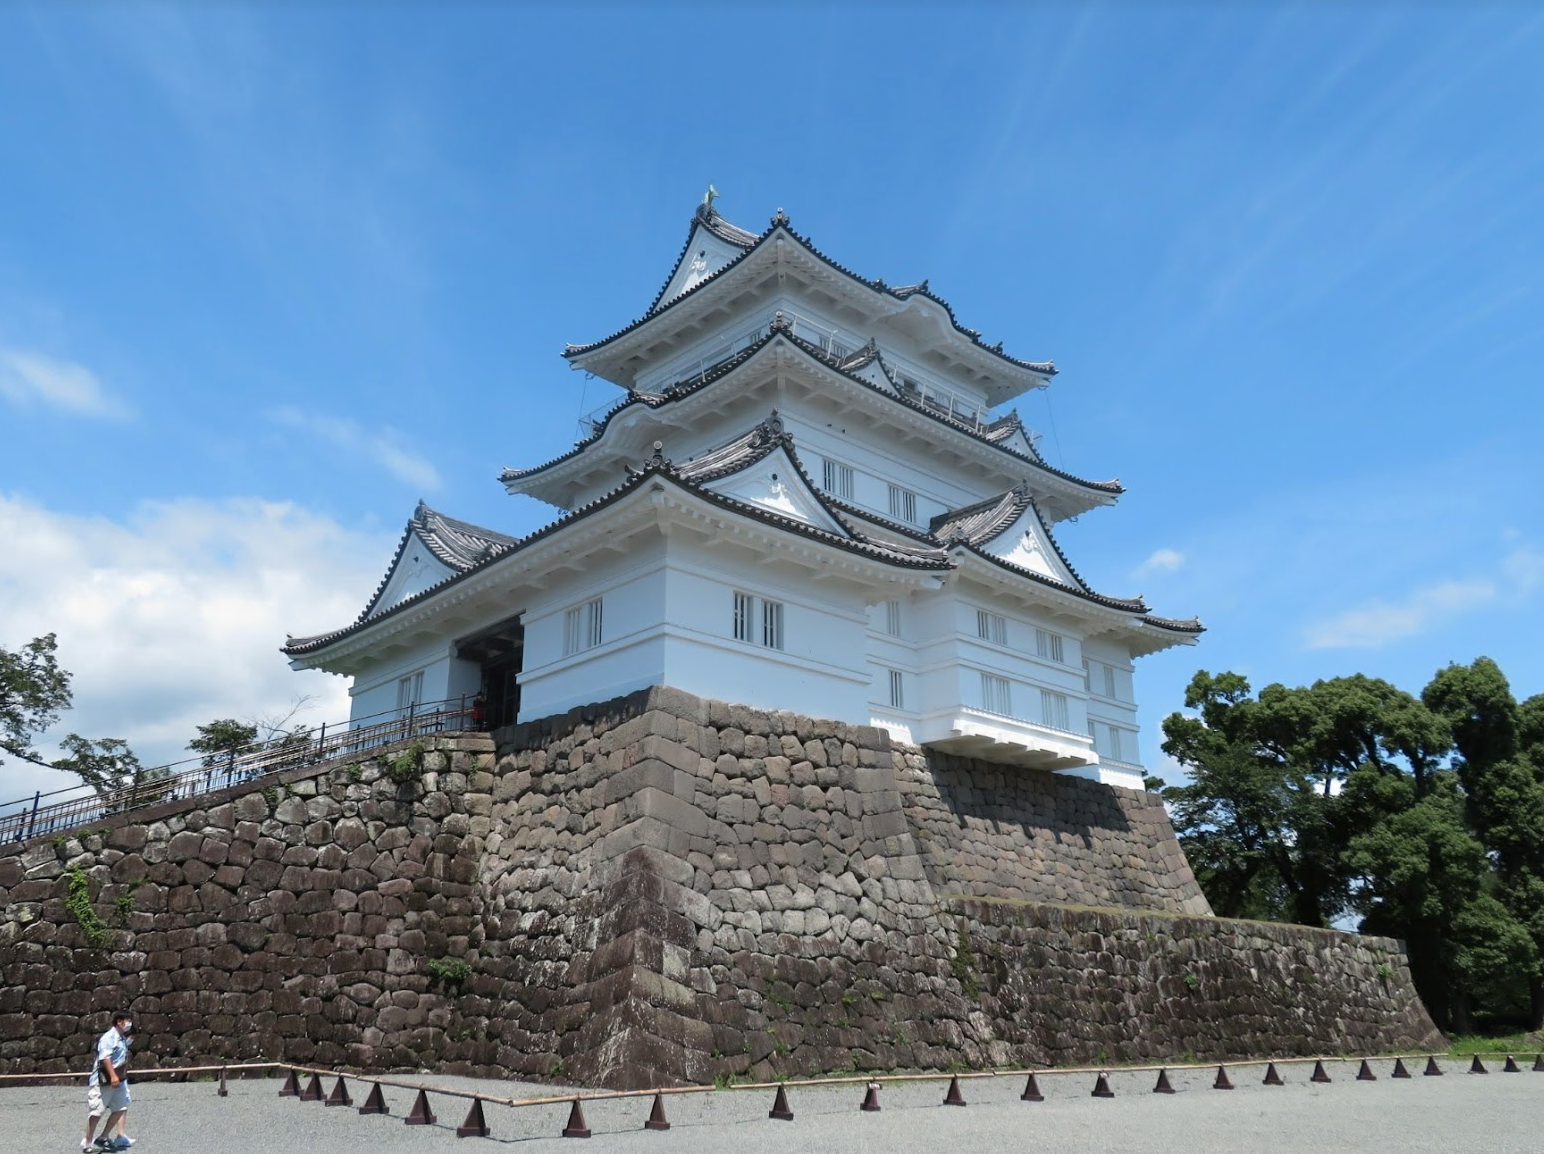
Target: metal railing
82,804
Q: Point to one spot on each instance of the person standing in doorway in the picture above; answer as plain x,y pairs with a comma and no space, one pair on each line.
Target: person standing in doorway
107,1090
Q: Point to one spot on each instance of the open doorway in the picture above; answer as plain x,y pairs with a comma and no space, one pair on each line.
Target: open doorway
499,653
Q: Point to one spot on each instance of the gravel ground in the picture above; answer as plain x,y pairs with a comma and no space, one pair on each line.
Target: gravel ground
1498,1113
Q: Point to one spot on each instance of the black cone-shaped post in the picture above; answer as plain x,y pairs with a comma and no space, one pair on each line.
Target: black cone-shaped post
1272,1078
339,1095
1399,1069
954,1097
1511,1066
313,1090
1477,1066
223,1091
1102,1088
1031,1091
291,1087
475,1126
1432,1069
657,1115
375,1101
871,1099
780,1109
1223,1082
1163,1086
577,1127
420,1115
1318,1074
1365,1074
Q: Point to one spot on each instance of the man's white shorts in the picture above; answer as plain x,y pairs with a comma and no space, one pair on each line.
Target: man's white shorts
109,1098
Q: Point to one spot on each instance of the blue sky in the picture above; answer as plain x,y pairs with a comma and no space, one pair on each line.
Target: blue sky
268,274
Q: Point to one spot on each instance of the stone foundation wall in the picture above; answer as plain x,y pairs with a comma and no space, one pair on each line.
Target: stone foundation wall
663,889
1001,831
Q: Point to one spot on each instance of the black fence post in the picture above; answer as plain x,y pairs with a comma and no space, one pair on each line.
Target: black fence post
32,821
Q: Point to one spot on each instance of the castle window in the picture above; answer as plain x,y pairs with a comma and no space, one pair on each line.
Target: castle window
410,691
1053,709
582,627
903,505
1101,679
991,627
897,689
1048,644
758,621
837,479
893,618
996,694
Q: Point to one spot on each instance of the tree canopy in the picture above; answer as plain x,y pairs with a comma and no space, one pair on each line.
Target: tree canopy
1419,817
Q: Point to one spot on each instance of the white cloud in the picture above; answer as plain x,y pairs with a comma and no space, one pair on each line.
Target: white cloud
1161,561
383,447
1379,622
174,616
28,378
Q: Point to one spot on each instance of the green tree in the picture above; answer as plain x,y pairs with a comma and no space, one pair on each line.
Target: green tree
111,768
33,691
221,740
1505,795
1263,819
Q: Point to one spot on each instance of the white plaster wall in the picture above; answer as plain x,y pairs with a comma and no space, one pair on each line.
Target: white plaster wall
822,669
630,655
375,690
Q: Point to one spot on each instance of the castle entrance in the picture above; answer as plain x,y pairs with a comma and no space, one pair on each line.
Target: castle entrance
499,653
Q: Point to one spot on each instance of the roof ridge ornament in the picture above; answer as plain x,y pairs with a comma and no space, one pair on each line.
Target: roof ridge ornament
779,323
780,219
658,457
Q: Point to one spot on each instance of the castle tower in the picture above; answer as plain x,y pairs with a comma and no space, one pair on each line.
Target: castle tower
808,499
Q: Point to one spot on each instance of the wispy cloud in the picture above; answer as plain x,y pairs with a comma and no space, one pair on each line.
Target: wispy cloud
1160,561
383,446
1379,622
28,378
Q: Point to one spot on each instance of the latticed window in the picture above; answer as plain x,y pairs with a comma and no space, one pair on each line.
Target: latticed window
758,621
744,614
582,627
903,504
893,618
1053,709
772,624
991,627
1048,644
897,689
837,479
996,694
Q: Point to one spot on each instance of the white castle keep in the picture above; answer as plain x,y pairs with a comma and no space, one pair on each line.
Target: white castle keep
804,501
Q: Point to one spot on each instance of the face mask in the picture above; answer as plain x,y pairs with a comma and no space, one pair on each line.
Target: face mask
126,1028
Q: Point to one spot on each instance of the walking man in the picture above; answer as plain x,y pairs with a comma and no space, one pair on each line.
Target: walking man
107,1090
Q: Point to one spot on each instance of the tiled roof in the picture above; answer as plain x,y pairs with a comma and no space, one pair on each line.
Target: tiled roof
460,544
848,367
984,521
750,242
707,216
